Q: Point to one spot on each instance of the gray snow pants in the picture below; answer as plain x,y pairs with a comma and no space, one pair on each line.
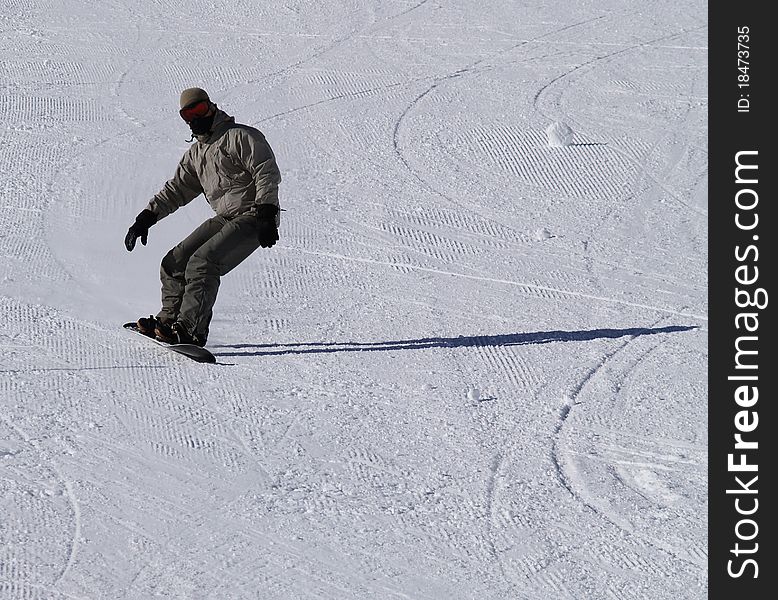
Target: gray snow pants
191,271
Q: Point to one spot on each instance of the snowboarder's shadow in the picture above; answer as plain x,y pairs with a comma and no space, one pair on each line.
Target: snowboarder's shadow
511,339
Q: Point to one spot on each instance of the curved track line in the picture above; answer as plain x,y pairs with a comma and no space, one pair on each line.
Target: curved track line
469,69
597,59
76,536
466,70
565,413
567,409
501,459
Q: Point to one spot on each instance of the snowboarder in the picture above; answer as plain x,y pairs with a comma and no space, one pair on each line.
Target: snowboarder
234,167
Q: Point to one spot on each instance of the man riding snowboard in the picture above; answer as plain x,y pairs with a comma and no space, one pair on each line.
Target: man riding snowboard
234,167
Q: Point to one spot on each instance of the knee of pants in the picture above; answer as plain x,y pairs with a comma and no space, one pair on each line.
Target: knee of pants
171,265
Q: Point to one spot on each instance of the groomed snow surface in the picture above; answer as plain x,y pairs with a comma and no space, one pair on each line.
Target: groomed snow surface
474,367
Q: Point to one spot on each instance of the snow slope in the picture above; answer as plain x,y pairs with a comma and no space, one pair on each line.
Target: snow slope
473,367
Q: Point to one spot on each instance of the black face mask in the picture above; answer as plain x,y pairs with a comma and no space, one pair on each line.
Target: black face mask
201,125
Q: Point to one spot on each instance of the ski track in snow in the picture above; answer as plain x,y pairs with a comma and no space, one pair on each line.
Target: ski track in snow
473,365
577,486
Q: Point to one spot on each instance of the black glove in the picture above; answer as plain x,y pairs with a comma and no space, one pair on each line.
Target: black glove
140,229
267,230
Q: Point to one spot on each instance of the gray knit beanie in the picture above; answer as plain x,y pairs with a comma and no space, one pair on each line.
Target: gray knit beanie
191,95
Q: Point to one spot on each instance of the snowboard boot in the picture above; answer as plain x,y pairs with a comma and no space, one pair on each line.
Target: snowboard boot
176,334
147,325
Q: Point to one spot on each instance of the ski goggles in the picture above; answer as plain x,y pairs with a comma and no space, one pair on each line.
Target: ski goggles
195,110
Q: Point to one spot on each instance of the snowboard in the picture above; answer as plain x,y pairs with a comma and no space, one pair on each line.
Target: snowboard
196,353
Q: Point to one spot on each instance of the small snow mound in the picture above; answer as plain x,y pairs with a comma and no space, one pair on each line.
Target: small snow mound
542,234
559,134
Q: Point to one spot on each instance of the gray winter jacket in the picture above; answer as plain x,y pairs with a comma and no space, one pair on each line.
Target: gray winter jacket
234,167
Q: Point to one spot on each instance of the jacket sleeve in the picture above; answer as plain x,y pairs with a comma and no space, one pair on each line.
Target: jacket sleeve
258,159
178,191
